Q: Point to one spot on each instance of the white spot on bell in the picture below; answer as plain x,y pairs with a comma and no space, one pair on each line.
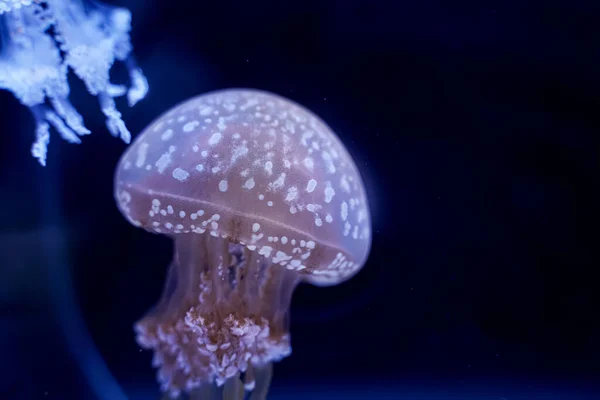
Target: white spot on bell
344,211
168,134
223,186
329,193
269,167
141,155
309,163
292,194
190,126
215,138
180,174
249,184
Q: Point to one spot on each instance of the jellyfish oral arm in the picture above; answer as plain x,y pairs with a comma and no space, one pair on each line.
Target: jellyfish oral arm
41,40
226,317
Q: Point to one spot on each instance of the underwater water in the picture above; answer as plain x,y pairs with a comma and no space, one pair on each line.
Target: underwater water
474,128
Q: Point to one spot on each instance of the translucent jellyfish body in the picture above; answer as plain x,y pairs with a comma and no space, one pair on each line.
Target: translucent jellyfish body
258,195
41,39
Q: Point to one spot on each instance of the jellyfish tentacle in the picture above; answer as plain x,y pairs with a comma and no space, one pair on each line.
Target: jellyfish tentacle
233,389
263,382
205,392
114,122
114,90
43,39
39,148
249,379
63,118
169,290
69,114
45,113
138,83
206,335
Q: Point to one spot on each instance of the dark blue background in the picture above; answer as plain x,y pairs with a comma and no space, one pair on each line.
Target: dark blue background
475,125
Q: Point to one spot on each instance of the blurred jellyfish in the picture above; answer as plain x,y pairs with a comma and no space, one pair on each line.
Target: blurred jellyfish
41,39
258,195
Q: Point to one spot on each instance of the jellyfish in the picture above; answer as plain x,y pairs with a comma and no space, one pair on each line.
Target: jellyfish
258,195
41,39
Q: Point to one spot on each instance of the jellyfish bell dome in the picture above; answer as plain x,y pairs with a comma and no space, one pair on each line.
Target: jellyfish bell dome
258,194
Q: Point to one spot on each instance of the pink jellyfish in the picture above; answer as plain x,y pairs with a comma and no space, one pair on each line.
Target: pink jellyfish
258,195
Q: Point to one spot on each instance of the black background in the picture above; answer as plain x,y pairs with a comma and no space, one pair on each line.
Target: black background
475,126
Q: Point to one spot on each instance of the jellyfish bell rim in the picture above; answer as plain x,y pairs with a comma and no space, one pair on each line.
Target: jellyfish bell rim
310,274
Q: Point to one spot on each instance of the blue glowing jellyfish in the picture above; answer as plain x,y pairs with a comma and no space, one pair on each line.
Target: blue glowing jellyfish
41,39
258,195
